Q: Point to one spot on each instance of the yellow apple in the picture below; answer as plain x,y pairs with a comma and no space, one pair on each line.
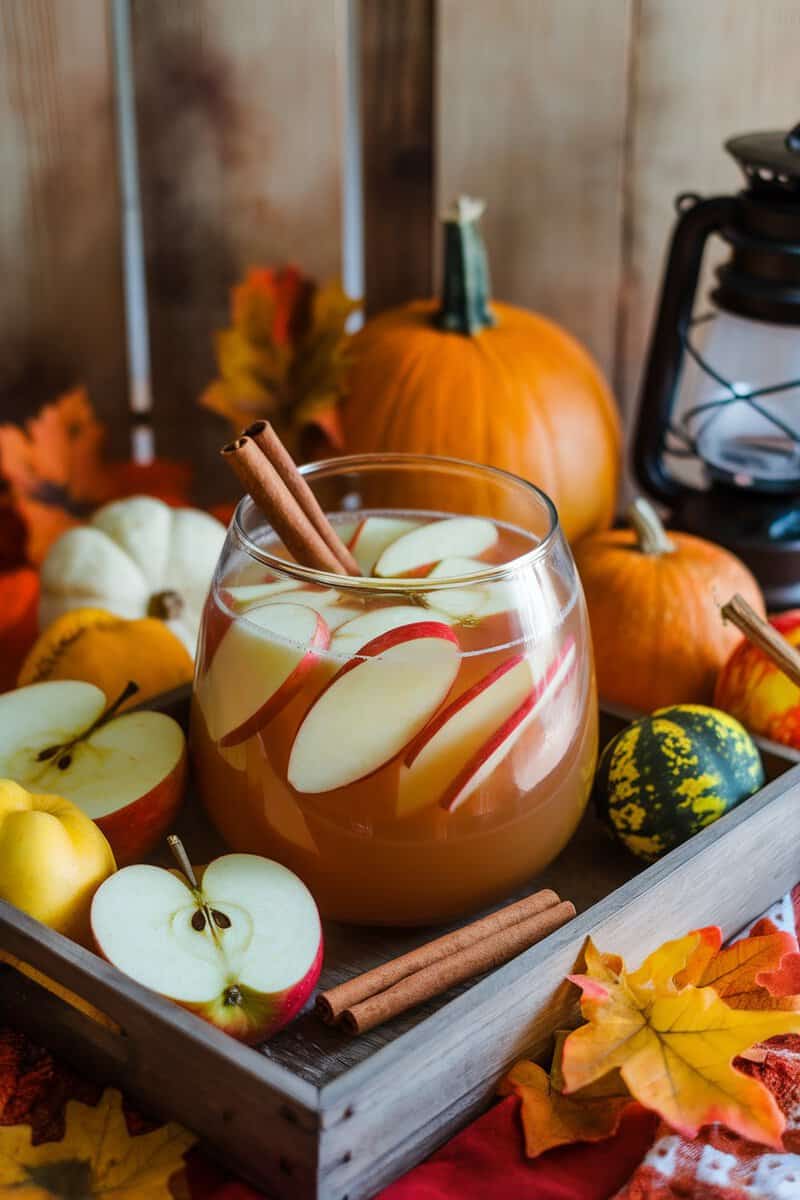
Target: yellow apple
52,859
755,691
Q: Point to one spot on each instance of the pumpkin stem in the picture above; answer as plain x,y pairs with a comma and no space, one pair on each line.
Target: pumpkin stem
465,287
166,606
646,524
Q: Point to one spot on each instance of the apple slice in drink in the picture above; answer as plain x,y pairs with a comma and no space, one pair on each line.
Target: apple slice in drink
253,595
374,706
350,637
468,739
126,772
261,661
242,948
502,740
372,535
453,537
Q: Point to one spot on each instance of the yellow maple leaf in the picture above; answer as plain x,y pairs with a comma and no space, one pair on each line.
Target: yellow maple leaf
673,1046
96,1158
284,355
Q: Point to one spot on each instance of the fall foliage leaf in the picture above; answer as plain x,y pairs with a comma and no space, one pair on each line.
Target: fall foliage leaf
550,1118
738,972
284,355
53,469
55,476
673,1046
96,1157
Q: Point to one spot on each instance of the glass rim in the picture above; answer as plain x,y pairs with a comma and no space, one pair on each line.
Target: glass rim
494,572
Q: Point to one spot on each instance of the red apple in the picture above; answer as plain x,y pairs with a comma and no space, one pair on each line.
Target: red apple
259,665
757,693
374,706
242,948
126,772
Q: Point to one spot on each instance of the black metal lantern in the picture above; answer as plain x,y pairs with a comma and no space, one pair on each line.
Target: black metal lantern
718,434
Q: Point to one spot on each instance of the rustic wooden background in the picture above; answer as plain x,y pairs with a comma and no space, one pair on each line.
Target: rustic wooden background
578,121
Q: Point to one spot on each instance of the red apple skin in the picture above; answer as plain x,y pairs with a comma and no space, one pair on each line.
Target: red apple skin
286,692
751,688
260,1017
135,830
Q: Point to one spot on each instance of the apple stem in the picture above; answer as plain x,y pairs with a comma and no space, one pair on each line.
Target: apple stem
182,859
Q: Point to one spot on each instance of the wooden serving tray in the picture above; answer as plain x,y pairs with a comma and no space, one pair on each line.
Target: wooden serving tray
316,1115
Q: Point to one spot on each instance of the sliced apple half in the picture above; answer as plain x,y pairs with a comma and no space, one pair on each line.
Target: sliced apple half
126,772
261,661
483,761
242,950
372,535
350,637
453,537
374,706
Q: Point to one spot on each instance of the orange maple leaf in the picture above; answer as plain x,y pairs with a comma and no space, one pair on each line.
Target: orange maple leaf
750,973
53,469
550,1118
284,354
674,1045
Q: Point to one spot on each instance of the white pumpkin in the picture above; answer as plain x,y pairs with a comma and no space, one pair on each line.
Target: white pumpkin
136,557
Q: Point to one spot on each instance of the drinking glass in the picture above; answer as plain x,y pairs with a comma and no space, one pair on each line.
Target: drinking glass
416,742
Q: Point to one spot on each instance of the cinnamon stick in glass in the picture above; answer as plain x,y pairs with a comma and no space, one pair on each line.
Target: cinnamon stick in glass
332,1003
258,477
271,445
762,635
486,955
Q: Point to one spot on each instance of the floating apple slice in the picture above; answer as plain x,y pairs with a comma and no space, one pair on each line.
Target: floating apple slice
350,637
242,950
374,706
488,757
458,732
259,664
126,772
242,599
453,537
338,615
372,535
456,567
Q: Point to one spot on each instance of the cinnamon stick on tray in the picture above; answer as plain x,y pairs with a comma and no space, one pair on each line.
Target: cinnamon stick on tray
259,477
384,992
271,445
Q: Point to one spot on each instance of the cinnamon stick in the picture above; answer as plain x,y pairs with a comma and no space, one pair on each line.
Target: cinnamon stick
258,477
271,445
331,1004
485,955
762,635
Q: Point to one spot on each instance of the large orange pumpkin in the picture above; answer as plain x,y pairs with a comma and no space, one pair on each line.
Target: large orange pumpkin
654,606
496,385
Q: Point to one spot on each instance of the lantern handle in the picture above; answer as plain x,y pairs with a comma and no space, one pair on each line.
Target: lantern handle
662,371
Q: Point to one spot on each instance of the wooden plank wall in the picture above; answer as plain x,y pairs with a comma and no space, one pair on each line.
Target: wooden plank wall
578,122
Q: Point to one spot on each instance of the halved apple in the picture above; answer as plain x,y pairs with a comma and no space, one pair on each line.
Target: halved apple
261,661
374,706
127,772
242,949
453,537
485,760
372,535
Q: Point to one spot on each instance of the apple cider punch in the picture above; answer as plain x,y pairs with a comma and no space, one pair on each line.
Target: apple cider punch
416,741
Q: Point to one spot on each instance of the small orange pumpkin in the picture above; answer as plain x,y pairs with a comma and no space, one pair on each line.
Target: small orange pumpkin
654,606
495,385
